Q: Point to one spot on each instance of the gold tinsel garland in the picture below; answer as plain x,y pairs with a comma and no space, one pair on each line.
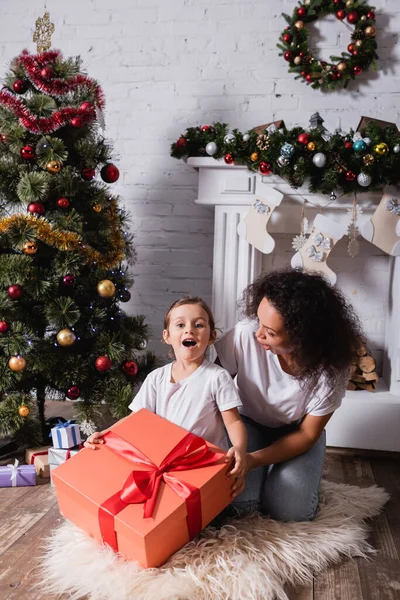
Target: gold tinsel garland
68,241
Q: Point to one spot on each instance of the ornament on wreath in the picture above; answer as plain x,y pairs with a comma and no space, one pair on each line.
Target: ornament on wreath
130,368
228,158
17,363
23,411
4,327
103,364
181,143
53,166
15,291
97,208
30,248
211,148
36,208
66,337
77,122
383,229
264,168
109,173
106,288
27,152
20,86
253,228
63,203
263,142
287,150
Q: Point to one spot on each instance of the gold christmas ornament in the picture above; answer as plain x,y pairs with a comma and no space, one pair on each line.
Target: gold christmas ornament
30,248
342,66
381,149
66,337
368,159
358,43
297,60
23,410
53,166
307,2
370,31
97,208
311,146
17,363
349,3
363,18
106,288
43,32
299,25
254,156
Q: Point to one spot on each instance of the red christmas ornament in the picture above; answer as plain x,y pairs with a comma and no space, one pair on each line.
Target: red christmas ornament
77,122
27,152
228,158
357,70
15,291
338,76
20,86
103,364
348,145
355,52
371,15
36,208
334,76
46,72
288,55
88,174
3,327
323,64
73,392
109,173
341,14
206,128
303,74
308,77
69,280
351,48
63,203
130,368
181,143
264,168
353,17
350,176
3,138
86,106
302,12
287,38
303,138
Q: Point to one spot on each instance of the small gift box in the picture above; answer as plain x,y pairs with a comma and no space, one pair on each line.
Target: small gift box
66,435
147,490
39,458
59,455
17,475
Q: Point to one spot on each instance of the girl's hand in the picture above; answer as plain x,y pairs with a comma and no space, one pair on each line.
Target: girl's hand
240,466
93,440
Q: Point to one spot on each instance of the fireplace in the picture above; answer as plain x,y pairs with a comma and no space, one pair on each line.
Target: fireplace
371,282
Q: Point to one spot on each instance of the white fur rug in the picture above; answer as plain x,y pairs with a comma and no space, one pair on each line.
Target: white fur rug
247,559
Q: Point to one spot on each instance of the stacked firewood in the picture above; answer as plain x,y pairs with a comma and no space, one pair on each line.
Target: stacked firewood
363,374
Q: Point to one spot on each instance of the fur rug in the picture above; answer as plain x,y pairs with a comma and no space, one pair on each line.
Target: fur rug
247,559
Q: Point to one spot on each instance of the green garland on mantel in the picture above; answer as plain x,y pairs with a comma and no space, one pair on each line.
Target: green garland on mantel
341,163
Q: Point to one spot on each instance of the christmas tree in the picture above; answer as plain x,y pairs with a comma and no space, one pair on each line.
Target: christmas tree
63,251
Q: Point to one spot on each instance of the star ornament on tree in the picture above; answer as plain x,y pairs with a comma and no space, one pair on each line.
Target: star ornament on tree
43,32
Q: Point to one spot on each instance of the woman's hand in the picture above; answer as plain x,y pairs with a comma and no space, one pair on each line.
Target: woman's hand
240,461
93,440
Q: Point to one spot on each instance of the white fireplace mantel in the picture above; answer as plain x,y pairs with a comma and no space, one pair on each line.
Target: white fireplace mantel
365,420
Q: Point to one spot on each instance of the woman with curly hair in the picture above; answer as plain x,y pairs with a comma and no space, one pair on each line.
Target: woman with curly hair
292,357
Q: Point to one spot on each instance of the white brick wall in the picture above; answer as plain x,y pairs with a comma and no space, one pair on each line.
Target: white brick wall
168,64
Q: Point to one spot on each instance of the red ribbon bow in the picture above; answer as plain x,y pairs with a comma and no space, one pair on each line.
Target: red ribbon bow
141,486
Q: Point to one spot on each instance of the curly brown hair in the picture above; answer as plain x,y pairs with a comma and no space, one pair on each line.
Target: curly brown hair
319,321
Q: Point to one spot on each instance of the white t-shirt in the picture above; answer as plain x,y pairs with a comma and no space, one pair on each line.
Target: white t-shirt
270,396
194,403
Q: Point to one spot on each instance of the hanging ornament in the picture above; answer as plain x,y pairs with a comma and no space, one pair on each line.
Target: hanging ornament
246,137
264,168
357,69
62,203
287,150
332,196
371,15
364,179
297,60
142,345
288,55
27,153
348,144
66,337
87,174
23,410
299,25
341,14
77,122
87,427
124,296
228,158
206,128
367,140
15,291
254,156
353,231
211,148
106,288
311,146
109,173
359,146
380,149
368,159
130,368
229,138
370,31
303,139
181,143
97,208
36,208
53,166
69,280
47,73
3,327
287,38
319,160
17,363
299,240
30,248
20,86
302,12
282,161
103,364
87,106
396,149
342,66
350,176
3,138
353,17
73,392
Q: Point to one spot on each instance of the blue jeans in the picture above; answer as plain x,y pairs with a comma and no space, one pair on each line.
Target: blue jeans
287,491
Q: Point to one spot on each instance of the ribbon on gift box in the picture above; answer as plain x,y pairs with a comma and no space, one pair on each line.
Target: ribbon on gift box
68,453
64,425
191,452
44,452
14,472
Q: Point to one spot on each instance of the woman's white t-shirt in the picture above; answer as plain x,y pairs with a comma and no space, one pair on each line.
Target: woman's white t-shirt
270,396
194,403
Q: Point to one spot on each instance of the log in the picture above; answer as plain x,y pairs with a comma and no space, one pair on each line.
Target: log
351,386
362,351
367,364
369,387
371,376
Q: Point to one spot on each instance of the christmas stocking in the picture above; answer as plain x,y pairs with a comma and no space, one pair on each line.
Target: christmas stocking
383,229
312,256
254,226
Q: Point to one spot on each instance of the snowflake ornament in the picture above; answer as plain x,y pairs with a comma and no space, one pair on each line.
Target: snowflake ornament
87,427
354,212
299,241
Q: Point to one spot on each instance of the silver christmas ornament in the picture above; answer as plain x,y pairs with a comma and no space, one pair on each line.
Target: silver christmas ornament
396,149
246,137
319,160
211,148
282,161
229,138
364,179
332,197
367,140
143,344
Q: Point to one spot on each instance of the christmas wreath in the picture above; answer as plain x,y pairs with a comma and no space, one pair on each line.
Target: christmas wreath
361,52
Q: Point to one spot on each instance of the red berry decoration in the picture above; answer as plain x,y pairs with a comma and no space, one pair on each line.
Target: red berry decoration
181,143
287,38
228,158
350,176
88,174
86,106
15,291
206,128
109,173
357,70
46,72
27,152
20,86
103,364
73,392
302,12
130,368
264,168
77,122
3,327
36,208
341,14
371,15
288,55
348,145
63,203
353,17
303,138
69,280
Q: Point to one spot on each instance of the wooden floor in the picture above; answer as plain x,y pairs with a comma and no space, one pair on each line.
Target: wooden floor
29,514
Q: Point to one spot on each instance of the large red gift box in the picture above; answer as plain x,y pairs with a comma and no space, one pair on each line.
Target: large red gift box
147,490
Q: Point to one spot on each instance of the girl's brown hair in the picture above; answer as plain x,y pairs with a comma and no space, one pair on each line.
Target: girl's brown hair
191,300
